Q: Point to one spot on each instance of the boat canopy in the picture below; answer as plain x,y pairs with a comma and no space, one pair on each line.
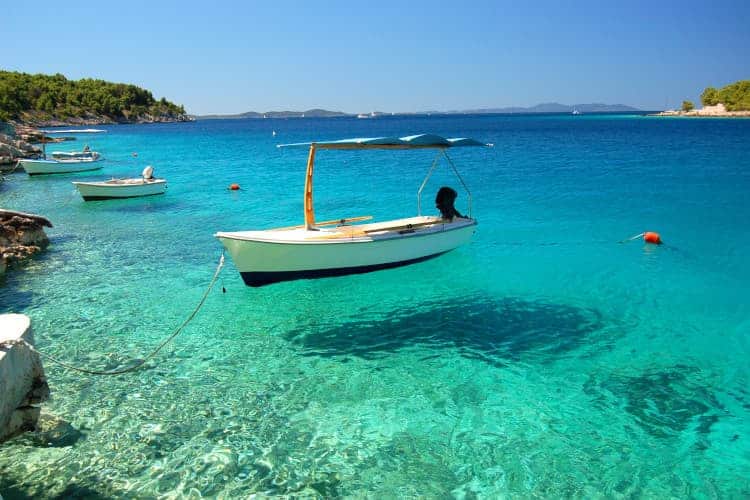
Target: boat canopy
420,141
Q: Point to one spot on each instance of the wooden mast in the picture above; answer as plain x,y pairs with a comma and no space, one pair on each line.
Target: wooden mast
309,211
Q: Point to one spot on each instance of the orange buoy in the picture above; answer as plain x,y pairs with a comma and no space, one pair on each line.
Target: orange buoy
651,237
234,187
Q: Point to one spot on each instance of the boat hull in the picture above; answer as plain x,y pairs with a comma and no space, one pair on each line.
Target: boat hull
47,167
262,278
94,191
262,262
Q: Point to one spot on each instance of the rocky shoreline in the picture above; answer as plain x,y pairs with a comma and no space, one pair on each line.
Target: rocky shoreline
91,119
21,236
13,148
717,111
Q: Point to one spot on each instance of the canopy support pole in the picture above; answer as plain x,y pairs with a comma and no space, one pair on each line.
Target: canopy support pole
432,169
424,183
309,211
455,171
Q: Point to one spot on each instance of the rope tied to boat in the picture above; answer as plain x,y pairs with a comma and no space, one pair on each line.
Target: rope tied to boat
144,360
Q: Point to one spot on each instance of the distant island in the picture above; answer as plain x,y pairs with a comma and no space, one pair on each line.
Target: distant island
310,113
52,100
555,107
551,107
733,100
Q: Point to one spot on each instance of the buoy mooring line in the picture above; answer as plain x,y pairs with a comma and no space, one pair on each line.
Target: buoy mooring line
144,360
648,237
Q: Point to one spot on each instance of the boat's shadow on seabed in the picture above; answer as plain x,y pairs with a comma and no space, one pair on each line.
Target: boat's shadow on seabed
494,331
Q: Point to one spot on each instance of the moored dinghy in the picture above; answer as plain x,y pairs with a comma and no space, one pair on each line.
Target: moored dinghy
336,248
146,185
62,165
75,155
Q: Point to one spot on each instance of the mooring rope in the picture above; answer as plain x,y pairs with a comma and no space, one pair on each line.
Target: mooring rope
151,355
18,164
632,238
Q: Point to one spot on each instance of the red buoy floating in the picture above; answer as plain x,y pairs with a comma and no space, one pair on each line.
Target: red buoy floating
652,237
648,237
234,187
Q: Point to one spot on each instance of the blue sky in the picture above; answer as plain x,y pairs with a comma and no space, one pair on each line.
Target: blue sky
229,57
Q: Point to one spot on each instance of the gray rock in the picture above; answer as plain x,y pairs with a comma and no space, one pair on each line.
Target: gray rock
23,383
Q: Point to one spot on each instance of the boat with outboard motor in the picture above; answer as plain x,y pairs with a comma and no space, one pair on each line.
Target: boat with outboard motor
336,248
145,185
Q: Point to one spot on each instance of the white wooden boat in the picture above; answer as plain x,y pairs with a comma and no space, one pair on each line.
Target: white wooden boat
74,131
40,167
146,185
336,248
75,155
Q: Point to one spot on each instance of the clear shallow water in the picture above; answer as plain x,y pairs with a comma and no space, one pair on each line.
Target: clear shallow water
543,359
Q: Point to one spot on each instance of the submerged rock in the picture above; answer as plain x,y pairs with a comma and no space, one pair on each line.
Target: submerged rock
53,431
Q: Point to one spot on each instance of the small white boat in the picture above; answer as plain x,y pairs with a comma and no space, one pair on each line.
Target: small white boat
315,250
75,155
63,166
75,131
146,185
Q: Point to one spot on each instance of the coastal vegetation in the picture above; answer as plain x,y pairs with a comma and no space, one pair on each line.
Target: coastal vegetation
735,96
732,100
40,99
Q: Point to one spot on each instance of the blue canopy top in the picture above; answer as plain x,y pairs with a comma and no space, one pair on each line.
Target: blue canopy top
409,142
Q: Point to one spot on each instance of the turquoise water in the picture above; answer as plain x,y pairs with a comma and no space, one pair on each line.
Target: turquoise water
543,359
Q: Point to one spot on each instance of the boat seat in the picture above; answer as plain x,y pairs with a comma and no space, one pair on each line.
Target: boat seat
341,232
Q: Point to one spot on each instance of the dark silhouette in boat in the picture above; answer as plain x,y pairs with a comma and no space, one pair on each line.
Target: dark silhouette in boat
445,200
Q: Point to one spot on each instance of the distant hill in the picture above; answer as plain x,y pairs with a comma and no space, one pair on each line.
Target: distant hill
310,113
555,107
550,107
48,100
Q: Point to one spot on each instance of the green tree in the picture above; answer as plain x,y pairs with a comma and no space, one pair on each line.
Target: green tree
687,106
736,96
710,97
45,103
